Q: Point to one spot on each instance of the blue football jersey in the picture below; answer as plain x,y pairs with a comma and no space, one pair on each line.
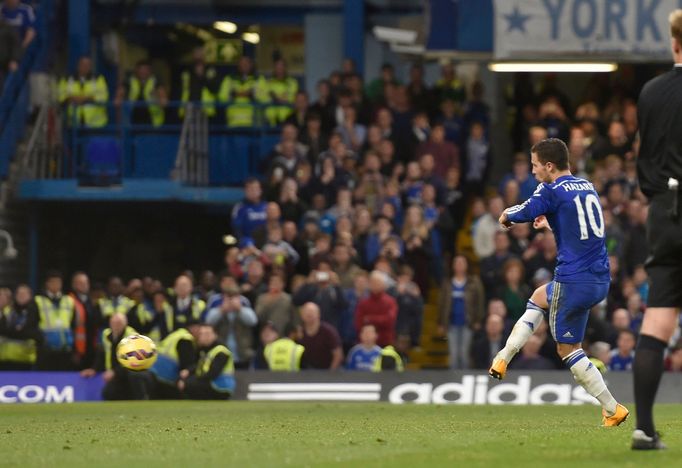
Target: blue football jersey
574,213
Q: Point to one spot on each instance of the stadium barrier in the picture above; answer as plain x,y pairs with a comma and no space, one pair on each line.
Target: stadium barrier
426,387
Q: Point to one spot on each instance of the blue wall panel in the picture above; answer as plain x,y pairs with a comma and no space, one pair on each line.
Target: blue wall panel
154,156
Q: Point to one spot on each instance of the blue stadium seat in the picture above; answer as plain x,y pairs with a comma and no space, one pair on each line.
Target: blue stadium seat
103,162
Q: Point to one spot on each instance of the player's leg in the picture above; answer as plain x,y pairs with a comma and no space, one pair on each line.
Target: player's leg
568,314
523,329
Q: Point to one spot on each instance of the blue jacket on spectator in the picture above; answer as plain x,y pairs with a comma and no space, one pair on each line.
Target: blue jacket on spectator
246,216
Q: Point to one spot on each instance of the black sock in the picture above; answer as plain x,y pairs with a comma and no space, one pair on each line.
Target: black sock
647,371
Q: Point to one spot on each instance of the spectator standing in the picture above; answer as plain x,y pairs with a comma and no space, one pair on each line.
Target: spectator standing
22,18
299,114
485,228
491,266
10,51
444,153
57,322
19,331
321,341
462,310
241,92
325,106
489,343
234,320
410,310
379,309
361,357
376,88
251,212
275,306
514,292
323,289
449,86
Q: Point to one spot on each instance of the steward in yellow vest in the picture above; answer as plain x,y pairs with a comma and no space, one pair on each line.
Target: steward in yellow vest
56,321
147,96
85,96
176,357
280,92
213,378
284,354
155,322
120,383
198,86
389,360
115,302
19,332
186,308
242,93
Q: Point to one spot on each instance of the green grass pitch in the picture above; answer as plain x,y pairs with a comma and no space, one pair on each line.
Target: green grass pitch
253,434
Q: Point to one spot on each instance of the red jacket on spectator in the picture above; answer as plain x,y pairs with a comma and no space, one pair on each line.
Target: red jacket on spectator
381,310
444,154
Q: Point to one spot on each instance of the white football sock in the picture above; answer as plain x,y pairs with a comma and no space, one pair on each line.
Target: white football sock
589,377
523,329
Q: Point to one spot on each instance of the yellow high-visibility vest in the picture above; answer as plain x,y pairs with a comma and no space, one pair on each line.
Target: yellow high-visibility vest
288,86
13,350
108,345
225,381
55,322
93,114
207,97
136,90
388,352
106,306
284,355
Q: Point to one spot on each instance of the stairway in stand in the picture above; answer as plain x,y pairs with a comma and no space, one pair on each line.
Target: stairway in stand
433,353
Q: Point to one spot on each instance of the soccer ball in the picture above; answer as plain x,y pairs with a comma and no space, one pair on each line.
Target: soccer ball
136,352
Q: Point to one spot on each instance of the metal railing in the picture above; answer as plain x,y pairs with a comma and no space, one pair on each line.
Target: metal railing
58,145
44,155
191,162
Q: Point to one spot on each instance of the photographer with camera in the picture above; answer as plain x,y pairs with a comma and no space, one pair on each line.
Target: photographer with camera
323,289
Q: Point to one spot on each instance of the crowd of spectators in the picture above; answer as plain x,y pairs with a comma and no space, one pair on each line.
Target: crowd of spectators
377,200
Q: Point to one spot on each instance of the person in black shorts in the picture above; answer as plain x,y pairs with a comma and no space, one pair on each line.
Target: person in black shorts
659,168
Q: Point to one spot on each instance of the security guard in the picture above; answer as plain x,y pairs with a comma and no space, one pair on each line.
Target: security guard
155,321
186,308
176,356
198,85
19,331
284,354
213,378
449,86
115,302
85,96
120,383
57,322
147,95
280,92
241,93
389,360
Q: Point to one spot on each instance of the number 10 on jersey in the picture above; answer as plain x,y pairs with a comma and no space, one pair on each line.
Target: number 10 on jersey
591,205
